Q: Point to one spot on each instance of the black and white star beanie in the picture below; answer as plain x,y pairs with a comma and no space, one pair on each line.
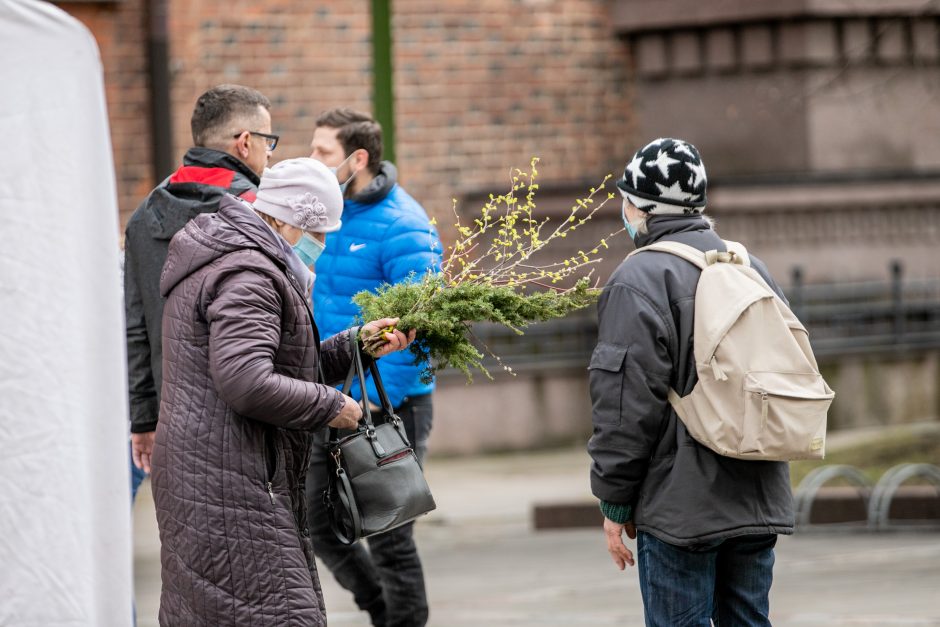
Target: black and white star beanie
665,177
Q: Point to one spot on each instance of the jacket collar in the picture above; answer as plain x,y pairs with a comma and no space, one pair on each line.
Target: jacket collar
208,158
196,187
241,216
378,188
235,226
662,226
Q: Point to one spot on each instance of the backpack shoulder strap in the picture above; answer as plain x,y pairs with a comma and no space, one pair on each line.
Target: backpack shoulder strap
690,254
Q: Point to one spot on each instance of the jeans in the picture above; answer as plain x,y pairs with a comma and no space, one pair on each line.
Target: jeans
137,477
727,581
387,580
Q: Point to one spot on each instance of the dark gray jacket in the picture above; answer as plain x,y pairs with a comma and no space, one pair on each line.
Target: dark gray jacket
197,187
681,492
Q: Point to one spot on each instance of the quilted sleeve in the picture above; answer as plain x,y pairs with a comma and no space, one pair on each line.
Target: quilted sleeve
244,317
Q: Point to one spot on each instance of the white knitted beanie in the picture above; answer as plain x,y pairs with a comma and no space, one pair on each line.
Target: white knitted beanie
302,192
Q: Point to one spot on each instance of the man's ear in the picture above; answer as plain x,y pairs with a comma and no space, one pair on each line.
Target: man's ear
361,159
241,145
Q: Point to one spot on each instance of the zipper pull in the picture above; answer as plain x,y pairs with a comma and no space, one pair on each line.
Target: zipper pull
764,404
718,373
271,491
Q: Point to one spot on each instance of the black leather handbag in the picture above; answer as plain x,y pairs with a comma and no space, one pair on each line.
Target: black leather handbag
376,483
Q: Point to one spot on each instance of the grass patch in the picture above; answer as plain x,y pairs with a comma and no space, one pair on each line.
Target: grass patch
873,458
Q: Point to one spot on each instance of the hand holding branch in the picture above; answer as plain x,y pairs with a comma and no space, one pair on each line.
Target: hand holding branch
380,337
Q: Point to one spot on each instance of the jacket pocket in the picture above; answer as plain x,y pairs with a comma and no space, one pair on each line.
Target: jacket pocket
785,414
270,461
606,366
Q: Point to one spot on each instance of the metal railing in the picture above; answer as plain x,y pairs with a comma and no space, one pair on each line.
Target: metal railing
872,317
869,317
876,499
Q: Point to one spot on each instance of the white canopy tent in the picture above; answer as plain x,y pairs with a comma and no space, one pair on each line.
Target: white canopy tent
65,548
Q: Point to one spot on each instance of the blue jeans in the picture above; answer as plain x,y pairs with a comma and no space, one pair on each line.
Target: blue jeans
727,581
137,477
387,580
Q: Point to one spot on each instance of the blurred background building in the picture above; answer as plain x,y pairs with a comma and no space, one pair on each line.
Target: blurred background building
818,120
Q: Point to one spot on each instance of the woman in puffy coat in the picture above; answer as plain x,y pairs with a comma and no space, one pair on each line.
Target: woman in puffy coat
246,380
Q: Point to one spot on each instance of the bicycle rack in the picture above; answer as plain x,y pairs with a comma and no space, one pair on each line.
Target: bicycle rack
811,483
879,506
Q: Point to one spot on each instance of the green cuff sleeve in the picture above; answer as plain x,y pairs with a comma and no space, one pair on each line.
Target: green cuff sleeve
620,513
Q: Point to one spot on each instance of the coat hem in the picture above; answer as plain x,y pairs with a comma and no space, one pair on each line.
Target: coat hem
724,534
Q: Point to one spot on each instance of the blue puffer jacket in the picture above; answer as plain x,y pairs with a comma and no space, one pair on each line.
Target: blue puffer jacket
386,236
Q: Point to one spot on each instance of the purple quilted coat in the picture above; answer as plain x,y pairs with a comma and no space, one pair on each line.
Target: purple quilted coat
239,403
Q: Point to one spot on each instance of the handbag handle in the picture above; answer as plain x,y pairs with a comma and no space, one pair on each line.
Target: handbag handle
376,379
356,370
387,408
348,500
380,388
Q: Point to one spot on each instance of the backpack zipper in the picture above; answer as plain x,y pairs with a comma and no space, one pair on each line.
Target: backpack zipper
764,406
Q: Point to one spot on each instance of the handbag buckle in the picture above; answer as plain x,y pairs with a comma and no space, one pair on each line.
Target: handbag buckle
374,441
336,458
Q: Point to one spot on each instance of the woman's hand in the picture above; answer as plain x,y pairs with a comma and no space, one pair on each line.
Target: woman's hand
380,337
348,417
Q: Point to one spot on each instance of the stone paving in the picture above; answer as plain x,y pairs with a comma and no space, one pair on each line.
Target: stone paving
486,566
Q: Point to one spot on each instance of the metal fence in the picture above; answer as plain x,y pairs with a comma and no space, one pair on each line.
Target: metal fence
894,316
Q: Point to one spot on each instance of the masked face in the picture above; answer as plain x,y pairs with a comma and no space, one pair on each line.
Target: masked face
335,170
309,249
631,230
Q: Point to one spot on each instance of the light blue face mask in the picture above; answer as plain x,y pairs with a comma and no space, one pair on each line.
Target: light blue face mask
631,230
309,249
334,170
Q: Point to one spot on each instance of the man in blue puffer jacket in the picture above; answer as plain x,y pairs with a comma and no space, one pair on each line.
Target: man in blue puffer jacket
386,237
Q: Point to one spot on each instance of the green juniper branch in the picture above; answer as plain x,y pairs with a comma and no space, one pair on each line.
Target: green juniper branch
492,282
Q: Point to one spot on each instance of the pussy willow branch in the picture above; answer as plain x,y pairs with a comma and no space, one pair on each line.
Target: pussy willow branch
505,267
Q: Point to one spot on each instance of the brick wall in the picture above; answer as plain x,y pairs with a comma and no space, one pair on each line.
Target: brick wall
480,86
305,56
119,29
484,85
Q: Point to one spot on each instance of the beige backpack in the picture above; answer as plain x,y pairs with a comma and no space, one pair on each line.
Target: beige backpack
759,394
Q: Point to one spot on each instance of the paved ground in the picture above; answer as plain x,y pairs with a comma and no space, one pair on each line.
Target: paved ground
485,565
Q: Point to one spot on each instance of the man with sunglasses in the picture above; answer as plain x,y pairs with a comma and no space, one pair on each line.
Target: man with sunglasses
231,127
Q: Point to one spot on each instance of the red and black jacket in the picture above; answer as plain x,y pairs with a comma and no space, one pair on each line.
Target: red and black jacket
198,186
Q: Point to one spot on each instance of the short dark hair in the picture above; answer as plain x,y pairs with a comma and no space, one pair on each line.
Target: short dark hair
216,108
355,130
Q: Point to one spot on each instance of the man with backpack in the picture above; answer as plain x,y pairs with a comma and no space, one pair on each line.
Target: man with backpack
705,522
